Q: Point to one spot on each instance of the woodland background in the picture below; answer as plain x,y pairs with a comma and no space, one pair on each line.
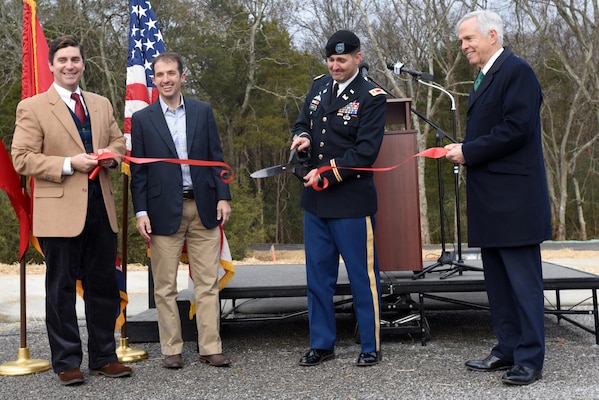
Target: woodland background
254,61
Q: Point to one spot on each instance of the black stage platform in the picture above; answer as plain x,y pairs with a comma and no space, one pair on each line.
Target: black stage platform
259,292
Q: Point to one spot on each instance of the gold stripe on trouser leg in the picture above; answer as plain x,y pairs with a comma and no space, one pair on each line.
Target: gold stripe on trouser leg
373,281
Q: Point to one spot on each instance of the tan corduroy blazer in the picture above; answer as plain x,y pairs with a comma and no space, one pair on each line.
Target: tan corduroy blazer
45,134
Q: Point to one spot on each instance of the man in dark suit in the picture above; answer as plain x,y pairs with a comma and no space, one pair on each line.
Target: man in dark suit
180,204
74,217
341,125
508,202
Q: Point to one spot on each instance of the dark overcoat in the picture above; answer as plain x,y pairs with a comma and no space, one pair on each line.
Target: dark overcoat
507,196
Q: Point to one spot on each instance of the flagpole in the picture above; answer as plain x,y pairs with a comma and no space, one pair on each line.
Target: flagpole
23,365
124,352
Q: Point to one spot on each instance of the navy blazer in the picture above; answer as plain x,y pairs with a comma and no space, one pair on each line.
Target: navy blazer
507,196
346,132
158,187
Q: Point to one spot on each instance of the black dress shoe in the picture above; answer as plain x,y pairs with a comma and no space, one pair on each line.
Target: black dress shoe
316,356
521,375
369,358
491,363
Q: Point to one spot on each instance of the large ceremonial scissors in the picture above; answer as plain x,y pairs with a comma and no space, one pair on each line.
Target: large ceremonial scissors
295,165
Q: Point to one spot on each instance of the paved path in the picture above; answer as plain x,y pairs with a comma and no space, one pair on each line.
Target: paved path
265,356
137,289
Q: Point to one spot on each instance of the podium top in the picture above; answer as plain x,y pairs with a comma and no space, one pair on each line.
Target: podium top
398,116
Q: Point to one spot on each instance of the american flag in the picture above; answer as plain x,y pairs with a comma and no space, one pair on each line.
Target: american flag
145,43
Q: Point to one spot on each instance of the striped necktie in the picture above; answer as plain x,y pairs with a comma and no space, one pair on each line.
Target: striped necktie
79,110
478,79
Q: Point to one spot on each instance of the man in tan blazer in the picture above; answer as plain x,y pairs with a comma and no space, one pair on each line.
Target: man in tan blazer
56,138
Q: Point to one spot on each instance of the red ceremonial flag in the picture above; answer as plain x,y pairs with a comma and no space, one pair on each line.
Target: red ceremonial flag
11,184
36,78
145,43
36,74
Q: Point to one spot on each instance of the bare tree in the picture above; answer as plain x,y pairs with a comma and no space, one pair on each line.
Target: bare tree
565,35
422,33
11,23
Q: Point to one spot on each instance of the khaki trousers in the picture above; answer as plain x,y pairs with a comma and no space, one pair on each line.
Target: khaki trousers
203,251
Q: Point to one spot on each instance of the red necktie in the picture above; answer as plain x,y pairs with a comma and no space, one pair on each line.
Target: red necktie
79,111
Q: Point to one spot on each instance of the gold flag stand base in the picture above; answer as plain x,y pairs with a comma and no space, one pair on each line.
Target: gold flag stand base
24,365
127,354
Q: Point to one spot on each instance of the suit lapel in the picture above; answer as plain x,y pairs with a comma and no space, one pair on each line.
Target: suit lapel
157,118
328,103
349,94
63,116
351,91
94,118
488,77
191,113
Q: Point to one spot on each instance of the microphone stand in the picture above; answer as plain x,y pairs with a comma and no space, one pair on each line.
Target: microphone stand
446,258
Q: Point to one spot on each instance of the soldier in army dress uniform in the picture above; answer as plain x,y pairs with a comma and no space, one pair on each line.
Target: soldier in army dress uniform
341,125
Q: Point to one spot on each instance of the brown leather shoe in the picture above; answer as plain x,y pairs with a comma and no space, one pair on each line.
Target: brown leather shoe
216,360
70,377
112,370
174,361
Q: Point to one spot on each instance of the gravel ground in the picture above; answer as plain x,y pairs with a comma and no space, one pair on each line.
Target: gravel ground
265,356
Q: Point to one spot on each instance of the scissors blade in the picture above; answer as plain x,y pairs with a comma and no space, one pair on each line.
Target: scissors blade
268,172
291,165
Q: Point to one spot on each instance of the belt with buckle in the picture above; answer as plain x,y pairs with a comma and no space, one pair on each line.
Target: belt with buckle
188,195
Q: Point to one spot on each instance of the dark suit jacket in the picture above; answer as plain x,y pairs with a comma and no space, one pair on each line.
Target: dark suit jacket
158,187
508,201
345,133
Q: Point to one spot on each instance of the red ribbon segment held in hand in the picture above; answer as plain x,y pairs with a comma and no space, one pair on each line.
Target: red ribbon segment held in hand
226,174
433,152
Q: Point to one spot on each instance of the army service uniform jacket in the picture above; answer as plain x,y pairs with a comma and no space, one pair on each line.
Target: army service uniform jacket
345,132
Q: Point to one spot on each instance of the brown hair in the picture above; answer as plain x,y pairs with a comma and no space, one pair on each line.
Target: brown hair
169,56
61,43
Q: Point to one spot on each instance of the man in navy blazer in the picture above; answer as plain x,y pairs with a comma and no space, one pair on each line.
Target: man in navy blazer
180,204
508,201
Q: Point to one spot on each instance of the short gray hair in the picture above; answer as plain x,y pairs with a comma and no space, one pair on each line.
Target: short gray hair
487,21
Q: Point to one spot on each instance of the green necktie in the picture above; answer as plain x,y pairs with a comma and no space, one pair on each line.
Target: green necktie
478,79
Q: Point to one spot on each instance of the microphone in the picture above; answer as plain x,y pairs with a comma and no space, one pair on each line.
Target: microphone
399,67
363,67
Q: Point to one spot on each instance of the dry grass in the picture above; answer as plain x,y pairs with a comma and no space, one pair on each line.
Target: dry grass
298,257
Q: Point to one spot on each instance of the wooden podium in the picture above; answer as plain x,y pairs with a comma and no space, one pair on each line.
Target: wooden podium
397,232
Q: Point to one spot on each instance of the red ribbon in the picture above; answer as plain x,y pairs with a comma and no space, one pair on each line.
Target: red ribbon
226,174
433,152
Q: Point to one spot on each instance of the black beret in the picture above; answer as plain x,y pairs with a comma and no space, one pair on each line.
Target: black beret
342,42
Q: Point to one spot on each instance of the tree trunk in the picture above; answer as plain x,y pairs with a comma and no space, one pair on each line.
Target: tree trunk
579,203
